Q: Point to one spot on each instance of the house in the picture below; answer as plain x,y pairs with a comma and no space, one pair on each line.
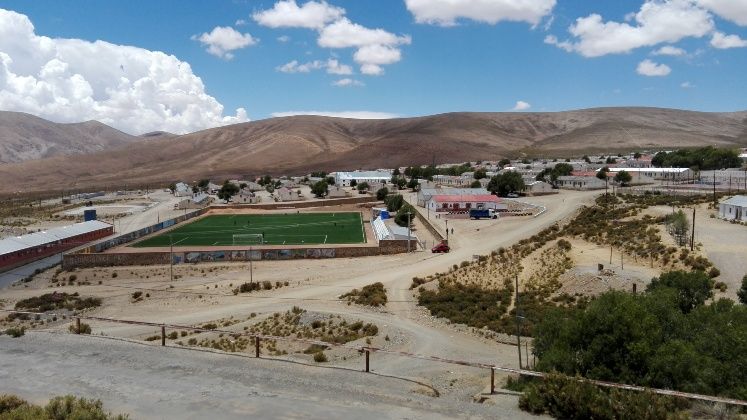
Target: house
197,201
572,182
344,179
426,192
182,190
459,181
538,188
463,203
247,196
665,174
642,162
19,250
734,208
336,191
285,194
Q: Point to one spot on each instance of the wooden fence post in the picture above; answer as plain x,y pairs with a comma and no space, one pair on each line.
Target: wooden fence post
77,325
256,346
492,381
367,361
163,335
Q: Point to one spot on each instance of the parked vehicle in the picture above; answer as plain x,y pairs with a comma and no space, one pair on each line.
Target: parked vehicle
482,214
512,195
443,247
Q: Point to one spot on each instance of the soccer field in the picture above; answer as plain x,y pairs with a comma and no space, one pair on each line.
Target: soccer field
270,229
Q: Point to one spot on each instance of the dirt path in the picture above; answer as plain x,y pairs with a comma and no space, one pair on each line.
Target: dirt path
152,382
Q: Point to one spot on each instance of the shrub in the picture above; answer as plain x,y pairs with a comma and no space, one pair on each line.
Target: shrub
714,272
721,286
173,335
417,281
370,295
246,288
742,292
56,300
10,402
209,326
563,397
84,329
114,275
320,357
15,332
267,285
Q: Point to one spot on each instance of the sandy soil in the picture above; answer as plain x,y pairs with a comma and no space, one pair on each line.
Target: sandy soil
202,293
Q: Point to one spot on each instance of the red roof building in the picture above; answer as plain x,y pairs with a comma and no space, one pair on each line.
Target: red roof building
451,203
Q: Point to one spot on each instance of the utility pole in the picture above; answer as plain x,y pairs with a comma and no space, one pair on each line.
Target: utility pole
251,266
714,187
447,229
692,235
516,309
171,256
408,232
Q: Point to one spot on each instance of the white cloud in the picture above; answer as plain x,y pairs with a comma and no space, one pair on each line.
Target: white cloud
521,106
223,39
650,68
287,14
446,12
723,41
375,47
732,10
241,22
656,22
73,80
347,82
686,85
335,67
670,50
363,115
284,38
332,65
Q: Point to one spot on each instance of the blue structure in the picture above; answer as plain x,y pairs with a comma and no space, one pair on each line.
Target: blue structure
89,215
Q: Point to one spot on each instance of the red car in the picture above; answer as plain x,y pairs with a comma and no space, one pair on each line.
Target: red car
442,247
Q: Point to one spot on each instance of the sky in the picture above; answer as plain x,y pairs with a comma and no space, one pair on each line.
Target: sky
171,65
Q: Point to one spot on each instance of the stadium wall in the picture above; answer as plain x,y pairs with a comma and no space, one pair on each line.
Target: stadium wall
303,204
82,260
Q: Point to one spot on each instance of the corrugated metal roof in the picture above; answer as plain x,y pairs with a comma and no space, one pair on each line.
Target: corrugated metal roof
453,191
364,175
466,198
18,243
652,170
737,200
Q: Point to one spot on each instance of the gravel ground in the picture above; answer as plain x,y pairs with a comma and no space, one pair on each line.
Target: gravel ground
152,382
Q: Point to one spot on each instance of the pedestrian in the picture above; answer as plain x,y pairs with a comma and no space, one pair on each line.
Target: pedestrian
452,231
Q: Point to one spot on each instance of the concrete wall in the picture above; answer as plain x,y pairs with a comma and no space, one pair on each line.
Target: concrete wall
304,204
71,261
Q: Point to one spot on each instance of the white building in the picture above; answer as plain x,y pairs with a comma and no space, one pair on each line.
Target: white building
285,194
734,208
538,188
247,196
182,190
670,174
371,177
572,182
462,203
425,194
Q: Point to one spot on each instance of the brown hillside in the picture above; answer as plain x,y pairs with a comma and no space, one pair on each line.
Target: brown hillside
295,145
26,137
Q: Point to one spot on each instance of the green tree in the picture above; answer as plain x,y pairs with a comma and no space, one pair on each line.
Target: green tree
506,183
203,184
413,184
637,155
330,180
586,159
480,174
228,190
610,159
172,187
394,202
353,183
363,186
742,292
405,213
692,288
475,184
504,162
396,171
602,174
320,189
623,178
382,193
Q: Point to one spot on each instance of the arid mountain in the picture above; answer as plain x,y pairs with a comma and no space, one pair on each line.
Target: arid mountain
295,145
26,137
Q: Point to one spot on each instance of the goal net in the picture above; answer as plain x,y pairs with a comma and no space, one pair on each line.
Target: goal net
248,239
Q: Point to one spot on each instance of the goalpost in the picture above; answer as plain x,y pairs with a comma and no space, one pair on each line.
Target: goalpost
248,239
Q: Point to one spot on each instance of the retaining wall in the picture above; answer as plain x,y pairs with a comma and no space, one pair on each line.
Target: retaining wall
302,204
77,260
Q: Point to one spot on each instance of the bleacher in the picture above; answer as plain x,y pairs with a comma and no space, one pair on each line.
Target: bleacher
380,229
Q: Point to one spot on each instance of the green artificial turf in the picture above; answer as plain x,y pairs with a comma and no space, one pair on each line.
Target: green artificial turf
277,229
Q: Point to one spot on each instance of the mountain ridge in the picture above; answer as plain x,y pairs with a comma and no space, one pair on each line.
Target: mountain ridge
298,144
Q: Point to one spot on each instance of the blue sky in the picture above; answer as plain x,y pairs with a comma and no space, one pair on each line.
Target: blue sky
429,57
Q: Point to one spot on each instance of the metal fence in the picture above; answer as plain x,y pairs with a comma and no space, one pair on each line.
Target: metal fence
368,350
